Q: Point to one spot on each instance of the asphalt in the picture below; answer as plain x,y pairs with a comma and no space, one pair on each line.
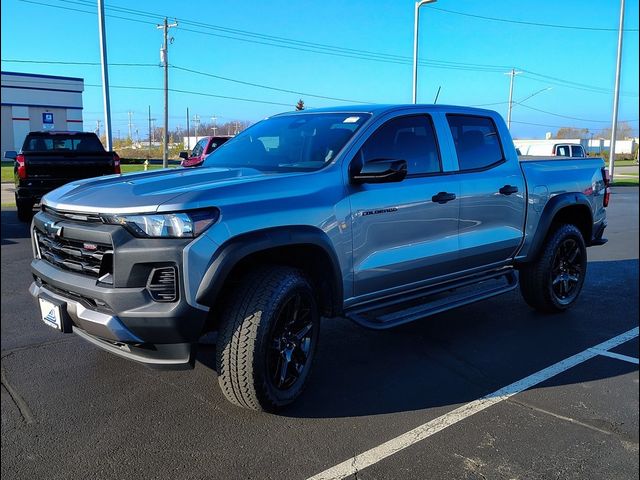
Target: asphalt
72,411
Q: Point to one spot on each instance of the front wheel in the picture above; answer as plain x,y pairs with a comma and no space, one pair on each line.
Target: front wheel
554,281
268,337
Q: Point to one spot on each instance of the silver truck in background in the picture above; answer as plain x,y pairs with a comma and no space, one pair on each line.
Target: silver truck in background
380,214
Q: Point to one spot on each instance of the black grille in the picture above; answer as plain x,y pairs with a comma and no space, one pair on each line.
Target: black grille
74,255
162,284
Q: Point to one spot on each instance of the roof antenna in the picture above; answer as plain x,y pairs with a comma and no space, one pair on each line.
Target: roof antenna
437,95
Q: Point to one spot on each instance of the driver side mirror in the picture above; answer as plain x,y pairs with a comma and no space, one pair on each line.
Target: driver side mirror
380,171
184,155
11,154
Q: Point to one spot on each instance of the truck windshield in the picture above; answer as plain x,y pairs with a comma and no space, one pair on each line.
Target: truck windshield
300,142
62,143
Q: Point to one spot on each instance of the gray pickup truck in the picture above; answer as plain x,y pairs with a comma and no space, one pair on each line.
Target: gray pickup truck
380,214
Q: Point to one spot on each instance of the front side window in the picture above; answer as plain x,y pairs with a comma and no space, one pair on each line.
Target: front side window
199,147
476,140
410,138
297,142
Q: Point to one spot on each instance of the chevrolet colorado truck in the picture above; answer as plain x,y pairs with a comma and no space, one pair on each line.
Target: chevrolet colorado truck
50,159
379,214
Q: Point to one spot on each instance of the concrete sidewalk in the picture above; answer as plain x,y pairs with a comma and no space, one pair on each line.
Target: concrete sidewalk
7,193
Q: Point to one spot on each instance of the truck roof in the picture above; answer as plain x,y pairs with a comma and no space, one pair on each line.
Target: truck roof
378,109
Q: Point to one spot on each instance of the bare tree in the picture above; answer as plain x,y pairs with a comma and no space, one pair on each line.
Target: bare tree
300,105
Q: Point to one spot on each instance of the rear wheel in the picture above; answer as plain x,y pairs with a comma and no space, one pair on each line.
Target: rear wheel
25,209
554,281
267,339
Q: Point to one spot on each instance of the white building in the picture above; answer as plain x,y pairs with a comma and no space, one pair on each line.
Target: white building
599,145
32,102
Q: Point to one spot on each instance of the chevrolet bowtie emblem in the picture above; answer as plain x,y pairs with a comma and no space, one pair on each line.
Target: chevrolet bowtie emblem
52,229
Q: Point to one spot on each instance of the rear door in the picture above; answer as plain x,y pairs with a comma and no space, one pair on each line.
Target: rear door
402,235
492,192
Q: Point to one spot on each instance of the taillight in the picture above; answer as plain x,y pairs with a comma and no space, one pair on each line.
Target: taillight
116,163
607,181
22,167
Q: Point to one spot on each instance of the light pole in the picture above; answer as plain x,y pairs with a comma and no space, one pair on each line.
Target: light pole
415,47
616,95
105,75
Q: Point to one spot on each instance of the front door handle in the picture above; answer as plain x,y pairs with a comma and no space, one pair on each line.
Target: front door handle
443,197
508,190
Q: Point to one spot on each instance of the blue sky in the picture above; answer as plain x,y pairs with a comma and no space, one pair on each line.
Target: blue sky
465,55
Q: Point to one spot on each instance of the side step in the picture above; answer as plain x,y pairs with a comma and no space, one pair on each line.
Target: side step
404,309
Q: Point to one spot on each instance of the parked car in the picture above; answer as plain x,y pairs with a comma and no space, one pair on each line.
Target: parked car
550,148
380,214
50,159
201,150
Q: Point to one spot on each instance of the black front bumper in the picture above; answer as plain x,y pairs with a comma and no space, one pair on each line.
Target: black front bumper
121,316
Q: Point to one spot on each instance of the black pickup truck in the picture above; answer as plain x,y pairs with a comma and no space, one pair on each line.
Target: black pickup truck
50,159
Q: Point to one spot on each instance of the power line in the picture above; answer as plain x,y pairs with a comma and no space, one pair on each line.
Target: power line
534,24
265,86
571,118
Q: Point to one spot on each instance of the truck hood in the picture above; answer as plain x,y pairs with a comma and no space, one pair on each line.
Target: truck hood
146,191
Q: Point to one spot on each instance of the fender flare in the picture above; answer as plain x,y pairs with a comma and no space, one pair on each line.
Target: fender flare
551,210
237,248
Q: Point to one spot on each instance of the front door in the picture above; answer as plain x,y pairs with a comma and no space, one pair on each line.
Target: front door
404,233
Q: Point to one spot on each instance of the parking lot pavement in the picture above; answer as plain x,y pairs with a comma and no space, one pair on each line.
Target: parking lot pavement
71,411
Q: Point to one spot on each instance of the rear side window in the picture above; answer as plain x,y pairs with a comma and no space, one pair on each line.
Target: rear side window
476,140
409,138
577,151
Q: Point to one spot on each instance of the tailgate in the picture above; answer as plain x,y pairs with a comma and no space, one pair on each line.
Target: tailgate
71,166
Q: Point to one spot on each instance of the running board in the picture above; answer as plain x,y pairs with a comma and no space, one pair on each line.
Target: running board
440,298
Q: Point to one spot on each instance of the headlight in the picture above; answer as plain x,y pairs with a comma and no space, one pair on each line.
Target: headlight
166,225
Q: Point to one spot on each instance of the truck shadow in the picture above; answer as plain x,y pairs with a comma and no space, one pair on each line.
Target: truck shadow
12,228
462,355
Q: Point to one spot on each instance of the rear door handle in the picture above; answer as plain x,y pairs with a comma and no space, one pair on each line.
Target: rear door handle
508,190
443,197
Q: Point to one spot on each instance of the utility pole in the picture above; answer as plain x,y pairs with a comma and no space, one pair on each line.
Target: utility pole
616,96
105,75
512,73
196,121
149,130
164,57
130,125
214,128
188,132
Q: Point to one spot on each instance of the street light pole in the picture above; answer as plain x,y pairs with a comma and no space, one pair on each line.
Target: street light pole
415,47
105,75
513,73
616,95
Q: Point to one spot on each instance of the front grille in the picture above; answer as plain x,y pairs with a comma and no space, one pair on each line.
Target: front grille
76,217
74,255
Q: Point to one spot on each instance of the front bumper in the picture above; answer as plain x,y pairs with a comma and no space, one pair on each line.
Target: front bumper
122,317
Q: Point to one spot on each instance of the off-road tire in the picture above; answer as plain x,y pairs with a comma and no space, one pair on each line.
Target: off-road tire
536,278
245,336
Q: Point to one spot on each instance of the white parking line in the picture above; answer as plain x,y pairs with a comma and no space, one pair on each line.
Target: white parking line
376,454
617,356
